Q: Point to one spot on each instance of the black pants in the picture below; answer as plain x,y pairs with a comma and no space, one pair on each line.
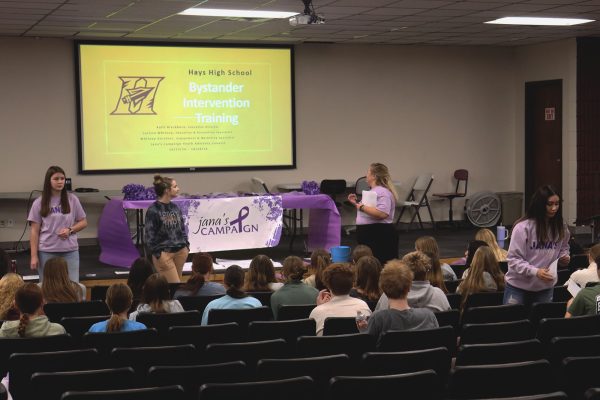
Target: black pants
381,238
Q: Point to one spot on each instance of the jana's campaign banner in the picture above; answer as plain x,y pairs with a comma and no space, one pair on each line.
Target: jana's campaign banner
233,223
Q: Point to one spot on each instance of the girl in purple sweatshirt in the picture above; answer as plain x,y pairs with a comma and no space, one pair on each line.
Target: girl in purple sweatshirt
538,239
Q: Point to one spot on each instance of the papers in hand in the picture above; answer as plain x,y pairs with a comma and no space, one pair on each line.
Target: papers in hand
369,198
553,267
573,288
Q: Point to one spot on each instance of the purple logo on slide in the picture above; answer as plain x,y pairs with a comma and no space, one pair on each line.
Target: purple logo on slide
137,95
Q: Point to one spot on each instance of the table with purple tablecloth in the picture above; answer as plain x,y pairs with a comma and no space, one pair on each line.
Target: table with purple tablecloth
117,248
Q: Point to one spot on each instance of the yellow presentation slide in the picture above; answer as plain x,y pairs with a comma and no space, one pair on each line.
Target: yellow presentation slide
170,107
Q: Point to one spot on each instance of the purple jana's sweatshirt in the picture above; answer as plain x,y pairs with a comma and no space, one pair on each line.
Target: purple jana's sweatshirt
526,255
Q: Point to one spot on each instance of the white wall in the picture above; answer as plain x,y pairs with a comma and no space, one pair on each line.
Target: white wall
417,109
556,60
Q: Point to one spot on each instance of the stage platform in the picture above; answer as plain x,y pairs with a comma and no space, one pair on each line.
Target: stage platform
452,244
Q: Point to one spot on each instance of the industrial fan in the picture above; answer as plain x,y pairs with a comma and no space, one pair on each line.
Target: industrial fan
483,209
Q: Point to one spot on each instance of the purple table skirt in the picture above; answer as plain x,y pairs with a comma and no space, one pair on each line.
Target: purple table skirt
117,248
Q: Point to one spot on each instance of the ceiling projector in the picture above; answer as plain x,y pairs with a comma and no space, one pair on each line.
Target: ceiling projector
309,16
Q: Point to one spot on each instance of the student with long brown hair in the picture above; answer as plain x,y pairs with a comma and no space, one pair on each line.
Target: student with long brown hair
57,287
156,298
199,283
32,322
118,300
484,274
319,260
55,218
538,240
261,275
366,283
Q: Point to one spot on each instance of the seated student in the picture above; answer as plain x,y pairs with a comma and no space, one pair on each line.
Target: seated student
489,238
261,275
429,246
118,300
294,291
589,274
360,251
395,281
489,277
140,270
422,294
484,275
9,284
587,301
319,260
336,301
235,297
156,297
32,321
199,283
56,285
366,285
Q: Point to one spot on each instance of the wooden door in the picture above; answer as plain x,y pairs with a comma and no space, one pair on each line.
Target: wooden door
543,136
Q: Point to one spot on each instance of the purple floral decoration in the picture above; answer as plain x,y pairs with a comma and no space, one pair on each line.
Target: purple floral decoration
310,187
273,203
133,191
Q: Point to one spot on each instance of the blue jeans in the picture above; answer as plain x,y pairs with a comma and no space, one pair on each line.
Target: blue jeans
513,295
71,257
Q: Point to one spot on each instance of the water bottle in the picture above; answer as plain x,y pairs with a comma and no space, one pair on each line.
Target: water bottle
362,321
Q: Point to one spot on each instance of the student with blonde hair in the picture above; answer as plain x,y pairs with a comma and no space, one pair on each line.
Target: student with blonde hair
118,300
395,282
429,246
9,284
32,322
422,293
57,287
489,238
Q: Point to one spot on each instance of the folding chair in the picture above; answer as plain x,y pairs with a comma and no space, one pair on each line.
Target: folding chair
416,199
332,188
